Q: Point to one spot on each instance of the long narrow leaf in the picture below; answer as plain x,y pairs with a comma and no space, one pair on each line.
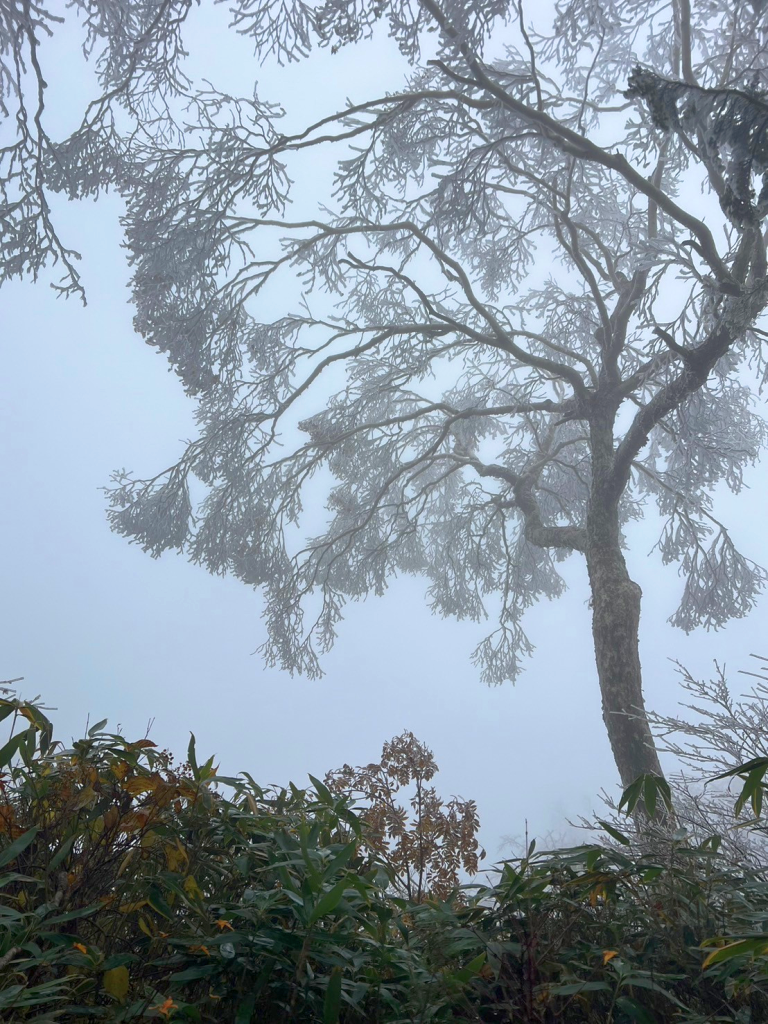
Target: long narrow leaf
10,853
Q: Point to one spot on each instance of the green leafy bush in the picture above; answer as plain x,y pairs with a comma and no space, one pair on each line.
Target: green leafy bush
134,888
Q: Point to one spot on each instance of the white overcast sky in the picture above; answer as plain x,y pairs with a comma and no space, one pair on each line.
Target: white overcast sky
97,627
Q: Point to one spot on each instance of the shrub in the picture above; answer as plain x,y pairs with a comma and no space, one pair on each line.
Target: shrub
134,888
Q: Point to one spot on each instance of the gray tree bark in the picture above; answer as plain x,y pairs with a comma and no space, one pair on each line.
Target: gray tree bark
615,625
616,602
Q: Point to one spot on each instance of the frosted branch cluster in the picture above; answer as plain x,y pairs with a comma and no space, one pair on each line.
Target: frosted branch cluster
512,249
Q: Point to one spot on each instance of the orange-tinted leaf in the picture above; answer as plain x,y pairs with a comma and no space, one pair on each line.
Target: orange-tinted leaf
111,817
142,784
166,1008
134,821
164,794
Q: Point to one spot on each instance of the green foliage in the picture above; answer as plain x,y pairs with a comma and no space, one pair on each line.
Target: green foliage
137,889
132,889
645,792
600,934
752,773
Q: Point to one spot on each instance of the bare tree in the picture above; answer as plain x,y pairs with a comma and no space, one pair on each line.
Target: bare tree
715,733
532,288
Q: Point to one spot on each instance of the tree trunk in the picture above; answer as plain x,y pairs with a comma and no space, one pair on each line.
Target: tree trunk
615,624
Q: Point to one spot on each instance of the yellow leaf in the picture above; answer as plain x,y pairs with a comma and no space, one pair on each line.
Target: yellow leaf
116,983
710,958
111,816
143,784
126,861
79,946
608,955
84,798
144,925
176,856
128,908
191,887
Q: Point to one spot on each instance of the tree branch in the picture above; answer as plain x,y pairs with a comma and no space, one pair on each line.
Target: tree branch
572,538
577,145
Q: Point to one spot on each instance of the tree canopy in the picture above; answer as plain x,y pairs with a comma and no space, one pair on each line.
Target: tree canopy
524,305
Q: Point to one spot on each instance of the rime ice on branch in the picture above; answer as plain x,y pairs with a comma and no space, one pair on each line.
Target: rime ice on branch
493,416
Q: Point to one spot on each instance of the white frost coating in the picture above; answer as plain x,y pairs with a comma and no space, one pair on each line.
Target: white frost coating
459,438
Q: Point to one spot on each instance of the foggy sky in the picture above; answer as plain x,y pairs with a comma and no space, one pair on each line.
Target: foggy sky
97,627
